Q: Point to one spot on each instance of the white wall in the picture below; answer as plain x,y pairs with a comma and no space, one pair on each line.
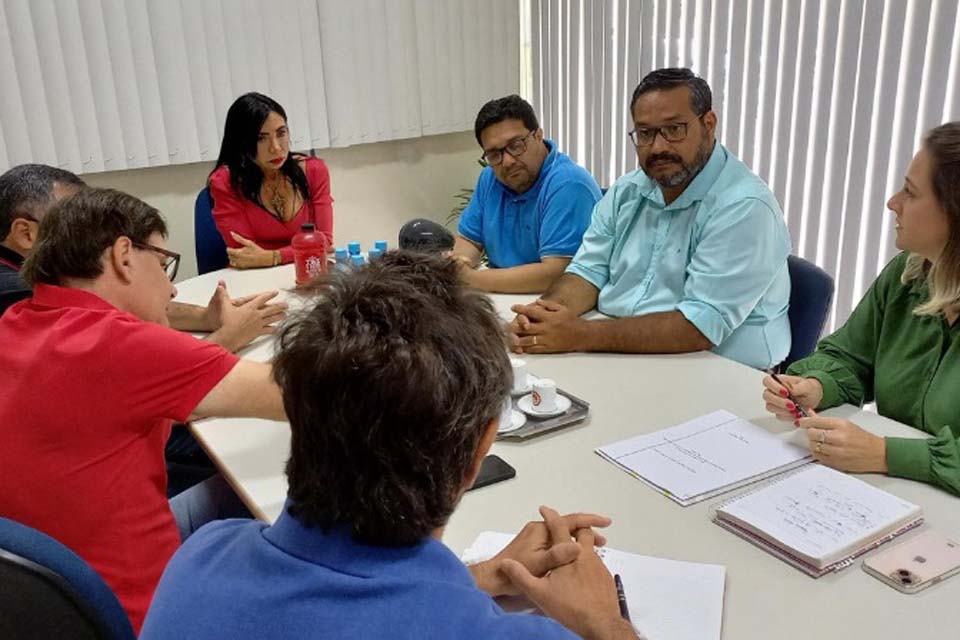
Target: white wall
375,187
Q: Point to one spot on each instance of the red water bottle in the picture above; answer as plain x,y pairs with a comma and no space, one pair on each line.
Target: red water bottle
309,253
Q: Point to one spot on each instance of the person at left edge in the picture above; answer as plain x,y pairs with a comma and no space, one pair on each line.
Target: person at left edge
262,193
530,207
93,378
28,191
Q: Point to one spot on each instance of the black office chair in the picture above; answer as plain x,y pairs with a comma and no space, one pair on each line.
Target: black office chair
210,247
811,293
48,591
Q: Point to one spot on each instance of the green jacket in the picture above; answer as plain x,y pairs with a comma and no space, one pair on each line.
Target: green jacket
908,364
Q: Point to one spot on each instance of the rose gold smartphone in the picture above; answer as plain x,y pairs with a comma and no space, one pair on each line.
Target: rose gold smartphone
916,564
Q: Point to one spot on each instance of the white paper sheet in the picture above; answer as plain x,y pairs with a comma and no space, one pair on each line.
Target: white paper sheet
668,599
821,513
706,456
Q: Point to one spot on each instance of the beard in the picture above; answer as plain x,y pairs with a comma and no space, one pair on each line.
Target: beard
687,171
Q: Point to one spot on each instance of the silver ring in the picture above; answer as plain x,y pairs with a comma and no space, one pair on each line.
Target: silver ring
823,436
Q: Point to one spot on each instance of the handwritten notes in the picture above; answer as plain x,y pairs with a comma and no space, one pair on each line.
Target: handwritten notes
704,457
821,514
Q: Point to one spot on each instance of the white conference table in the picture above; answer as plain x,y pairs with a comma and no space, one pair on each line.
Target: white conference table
629,395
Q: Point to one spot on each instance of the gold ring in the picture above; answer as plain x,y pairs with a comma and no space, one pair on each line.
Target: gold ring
819,447
534,340
823,437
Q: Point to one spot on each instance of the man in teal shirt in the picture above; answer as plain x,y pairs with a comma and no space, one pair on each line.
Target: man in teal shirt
687,253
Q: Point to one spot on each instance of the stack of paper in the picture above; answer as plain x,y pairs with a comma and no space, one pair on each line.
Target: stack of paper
705,457
667,598
818,519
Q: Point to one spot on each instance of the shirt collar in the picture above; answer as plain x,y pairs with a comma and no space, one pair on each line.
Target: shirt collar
698,188
544,169
49,295
336,549
10,258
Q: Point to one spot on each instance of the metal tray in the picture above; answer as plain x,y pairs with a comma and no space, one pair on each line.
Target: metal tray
577,412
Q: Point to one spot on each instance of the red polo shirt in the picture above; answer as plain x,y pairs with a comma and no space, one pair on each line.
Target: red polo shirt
86,405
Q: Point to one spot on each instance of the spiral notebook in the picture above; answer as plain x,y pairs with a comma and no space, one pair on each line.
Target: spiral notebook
818,519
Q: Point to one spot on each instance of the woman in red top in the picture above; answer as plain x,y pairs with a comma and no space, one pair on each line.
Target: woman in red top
261,192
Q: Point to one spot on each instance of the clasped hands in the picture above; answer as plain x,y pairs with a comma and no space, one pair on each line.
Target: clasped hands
554,565
545,326
835,442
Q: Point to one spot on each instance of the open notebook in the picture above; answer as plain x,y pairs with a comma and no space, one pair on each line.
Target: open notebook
818,519
706,456
667,598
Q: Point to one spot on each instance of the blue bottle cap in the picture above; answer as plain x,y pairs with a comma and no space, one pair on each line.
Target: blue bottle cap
340,254
357,260
373,254
381,245
354,248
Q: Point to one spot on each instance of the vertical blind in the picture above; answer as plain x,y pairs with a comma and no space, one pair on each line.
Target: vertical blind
100,85
827,100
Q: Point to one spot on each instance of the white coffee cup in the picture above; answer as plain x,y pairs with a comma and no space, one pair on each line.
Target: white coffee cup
506,415
520,375
544,395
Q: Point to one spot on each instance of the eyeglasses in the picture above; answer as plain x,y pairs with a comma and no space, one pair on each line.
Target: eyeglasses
515,148
171,259
673,132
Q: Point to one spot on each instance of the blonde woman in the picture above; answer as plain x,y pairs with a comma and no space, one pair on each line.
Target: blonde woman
901,345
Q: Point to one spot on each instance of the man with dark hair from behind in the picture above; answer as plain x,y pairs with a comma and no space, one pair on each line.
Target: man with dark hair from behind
393,382
687,253
93,380
530,207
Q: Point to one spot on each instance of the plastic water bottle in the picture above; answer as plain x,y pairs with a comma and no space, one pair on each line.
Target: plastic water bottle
353,248
356,261
341,259
374,254
381,246
309,253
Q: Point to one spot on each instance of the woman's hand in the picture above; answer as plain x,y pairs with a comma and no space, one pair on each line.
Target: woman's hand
807,391
841,444
249,255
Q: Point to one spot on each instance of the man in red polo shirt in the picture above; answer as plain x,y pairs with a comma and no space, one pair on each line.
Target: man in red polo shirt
93,379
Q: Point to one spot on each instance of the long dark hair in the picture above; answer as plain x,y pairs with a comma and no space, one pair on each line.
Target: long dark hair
239,148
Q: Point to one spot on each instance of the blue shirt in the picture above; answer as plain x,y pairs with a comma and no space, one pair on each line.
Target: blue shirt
244,579
718,254
546,220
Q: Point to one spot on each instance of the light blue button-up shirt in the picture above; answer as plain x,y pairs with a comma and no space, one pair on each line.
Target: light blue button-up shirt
718,254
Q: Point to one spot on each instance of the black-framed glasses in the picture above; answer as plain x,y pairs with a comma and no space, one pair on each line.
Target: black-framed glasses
171,259
515,148
673,132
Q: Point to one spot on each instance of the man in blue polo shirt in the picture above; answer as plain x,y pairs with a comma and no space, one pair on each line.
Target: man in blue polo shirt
393,382
530,207
687,253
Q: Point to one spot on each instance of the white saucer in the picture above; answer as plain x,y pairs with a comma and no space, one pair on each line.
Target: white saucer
527,389
525,404
517,420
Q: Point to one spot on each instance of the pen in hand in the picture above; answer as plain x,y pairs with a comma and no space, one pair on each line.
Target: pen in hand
621,598
790,395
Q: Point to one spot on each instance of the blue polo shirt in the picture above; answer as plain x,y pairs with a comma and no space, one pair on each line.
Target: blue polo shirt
244,579
718,254
546,220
